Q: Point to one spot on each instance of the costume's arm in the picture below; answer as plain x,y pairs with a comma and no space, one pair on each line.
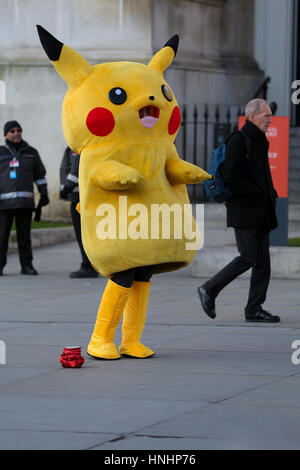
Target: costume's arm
112,175
180,172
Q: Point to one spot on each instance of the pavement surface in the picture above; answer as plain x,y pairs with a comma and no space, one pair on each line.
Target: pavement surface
214,384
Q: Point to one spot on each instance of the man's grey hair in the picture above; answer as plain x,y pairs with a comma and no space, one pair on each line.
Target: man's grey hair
253,107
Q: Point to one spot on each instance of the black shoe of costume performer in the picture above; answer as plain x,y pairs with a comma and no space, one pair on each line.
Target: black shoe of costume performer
262,316
208,303
84,273
29,270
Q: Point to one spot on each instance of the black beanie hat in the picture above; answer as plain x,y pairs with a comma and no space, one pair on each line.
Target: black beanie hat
10,125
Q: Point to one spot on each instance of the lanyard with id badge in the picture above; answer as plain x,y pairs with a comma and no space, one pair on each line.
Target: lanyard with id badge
13,164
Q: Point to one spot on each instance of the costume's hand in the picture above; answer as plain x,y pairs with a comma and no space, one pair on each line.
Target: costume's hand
44,200
130,177
197,175
181,172
116,176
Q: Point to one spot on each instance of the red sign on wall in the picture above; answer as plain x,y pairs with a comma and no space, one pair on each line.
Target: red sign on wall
278,136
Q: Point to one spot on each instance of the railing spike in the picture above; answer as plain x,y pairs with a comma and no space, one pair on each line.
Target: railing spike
228,114
195,112
206,113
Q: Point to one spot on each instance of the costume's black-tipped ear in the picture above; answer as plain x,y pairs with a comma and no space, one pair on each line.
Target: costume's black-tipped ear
165,56
51,45
68,63
173,43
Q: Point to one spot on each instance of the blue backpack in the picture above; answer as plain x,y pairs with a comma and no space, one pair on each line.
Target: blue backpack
215,188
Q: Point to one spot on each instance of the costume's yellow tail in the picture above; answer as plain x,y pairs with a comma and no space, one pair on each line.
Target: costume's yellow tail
109,315
134,321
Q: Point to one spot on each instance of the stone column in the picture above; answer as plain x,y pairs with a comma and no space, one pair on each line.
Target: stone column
215,61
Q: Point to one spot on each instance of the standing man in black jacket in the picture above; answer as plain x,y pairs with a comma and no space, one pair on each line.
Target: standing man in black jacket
20,167
69,191
251,212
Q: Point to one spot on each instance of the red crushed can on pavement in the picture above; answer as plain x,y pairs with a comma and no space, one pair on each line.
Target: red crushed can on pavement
71,357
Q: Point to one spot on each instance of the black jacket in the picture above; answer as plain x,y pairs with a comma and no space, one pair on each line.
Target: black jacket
249,178
19,169
69,169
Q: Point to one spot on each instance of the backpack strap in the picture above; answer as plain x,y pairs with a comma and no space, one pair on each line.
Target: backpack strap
231,135
246,139
248,144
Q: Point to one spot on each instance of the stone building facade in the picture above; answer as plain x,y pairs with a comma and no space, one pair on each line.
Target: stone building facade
215,63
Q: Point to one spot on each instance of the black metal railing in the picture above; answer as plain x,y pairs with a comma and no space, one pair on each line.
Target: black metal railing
205,127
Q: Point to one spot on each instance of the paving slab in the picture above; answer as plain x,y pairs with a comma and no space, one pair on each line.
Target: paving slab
214,384
44,440
265,427
18,374
162,443
104,415
286,392
122,384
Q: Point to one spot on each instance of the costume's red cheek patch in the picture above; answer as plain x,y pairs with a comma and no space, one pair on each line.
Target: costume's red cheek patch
175,121
100,121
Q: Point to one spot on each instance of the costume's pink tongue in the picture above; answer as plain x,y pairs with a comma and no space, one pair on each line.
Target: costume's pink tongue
149,121
149,116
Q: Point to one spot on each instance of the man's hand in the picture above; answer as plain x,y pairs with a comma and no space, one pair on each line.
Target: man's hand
44,200
63,194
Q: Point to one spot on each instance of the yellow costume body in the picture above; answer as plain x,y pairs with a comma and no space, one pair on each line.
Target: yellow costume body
123,118
148,160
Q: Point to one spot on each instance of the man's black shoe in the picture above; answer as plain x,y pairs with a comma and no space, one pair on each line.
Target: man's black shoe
84,273
208,303
262,316
29,270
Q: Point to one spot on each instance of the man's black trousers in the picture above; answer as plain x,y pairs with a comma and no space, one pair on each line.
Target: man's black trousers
254,249
23,227
86,264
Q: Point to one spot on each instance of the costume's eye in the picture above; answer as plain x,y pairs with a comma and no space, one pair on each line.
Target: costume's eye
167,92
117,95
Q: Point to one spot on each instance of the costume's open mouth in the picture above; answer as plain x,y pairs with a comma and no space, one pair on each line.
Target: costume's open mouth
149,116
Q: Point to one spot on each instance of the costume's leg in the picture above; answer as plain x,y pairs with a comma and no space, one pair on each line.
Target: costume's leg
109,315
135,315
134,321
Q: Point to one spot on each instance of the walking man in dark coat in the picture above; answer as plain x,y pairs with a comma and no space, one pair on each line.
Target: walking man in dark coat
251,212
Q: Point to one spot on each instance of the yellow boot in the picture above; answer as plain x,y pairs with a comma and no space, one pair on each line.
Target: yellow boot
109,315
134,321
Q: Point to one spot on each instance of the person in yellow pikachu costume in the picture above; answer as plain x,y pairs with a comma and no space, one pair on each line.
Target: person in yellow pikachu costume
122,118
